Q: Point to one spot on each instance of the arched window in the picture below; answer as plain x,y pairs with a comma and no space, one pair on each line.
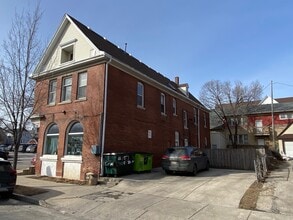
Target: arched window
51,144
75,139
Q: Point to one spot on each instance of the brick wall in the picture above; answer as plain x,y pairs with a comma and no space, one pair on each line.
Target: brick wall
128,125
87,112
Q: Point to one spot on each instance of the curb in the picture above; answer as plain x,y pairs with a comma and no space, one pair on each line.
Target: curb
30,200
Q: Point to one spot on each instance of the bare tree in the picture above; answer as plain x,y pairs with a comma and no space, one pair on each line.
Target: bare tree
21,52
230,102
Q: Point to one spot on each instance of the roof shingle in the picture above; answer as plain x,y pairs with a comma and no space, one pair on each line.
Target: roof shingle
111,49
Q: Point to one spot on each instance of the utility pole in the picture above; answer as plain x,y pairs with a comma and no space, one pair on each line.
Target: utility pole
272,110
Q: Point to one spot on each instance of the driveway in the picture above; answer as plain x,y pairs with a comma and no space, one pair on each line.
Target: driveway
213,194
216,186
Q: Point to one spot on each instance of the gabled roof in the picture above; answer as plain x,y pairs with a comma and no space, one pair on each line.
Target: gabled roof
278,108
284,105
284,100
118,54
111,49
267,100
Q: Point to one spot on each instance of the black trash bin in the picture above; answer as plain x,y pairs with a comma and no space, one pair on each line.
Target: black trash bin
118,164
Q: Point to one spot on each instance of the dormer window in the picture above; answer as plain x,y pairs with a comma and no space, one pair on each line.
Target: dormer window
67,51
67,54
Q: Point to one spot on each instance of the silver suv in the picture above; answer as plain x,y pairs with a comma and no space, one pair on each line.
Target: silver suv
184,159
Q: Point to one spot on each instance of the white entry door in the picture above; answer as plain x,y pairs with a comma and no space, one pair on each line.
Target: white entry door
289,148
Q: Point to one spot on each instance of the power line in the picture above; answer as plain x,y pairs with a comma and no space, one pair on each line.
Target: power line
285,84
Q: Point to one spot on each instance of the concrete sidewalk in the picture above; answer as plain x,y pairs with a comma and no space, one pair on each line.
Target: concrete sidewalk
211,195
277,194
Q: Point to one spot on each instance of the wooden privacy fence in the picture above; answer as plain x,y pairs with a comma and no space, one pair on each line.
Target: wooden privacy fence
242,159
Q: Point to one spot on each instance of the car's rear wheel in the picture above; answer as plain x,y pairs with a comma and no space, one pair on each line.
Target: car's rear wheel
194,171
7,195
168,172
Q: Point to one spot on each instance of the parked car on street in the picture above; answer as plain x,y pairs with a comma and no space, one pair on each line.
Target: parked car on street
7,178
31,148
3,147
9,147
22,148
184,159
4,154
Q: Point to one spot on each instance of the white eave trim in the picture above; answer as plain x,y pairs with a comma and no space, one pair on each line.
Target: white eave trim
71,66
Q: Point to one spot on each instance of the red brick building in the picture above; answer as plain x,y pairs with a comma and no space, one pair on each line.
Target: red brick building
91,95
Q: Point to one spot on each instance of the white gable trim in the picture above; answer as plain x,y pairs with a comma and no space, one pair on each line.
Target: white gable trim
49,50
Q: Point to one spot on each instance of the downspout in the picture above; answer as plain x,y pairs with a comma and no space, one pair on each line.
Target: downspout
104,114
198,129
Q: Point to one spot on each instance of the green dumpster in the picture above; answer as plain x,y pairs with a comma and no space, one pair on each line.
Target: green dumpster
118,164
143,162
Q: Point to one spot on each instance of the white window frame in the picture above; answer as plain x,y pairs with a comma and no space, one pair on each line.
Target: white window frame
140,95
67,51
82,85
285,116
66,89
52,92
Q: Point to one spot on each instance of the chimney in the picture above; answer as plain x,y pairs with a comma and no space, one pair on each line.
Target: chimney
177,80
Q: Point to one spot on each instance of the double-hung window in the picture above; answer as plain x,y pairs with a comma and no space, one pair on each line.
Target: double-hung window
195,115
185,119
140,95
82,83
163,103
174,107
52,92
66,88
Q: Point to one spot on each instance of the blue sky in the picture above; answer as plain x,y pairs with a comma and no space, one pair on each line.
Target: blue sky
197,40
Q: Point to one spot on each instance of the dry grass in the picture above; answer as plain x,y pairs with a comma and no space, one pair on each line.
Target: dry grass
249,199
